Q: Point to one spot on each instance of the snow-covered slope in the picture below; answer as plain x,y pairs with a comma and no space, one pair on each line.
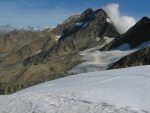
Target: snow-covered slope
95,60
116,91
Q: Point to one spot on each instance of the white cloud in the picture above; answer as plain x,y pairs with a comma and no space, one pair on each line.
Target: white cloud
122,23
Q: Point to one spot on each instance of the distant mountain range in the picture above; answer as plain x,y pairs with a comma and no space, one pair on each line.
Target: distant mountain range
8,28
28,57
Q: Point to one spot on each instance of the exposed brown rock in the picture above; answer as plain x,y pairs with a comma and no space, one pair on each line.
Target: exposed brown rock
17,76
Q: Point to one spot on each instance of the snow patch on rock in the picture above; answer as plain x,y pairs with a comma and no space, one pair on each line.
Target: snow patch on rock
79,23
57,37
108,20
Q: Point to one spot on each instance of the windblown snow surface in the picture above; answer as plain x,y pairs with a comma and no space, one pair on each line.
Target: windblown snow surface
115,91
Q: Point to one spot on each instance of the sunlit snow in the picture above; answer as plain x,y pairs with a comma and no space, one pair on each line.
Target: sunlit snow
116,91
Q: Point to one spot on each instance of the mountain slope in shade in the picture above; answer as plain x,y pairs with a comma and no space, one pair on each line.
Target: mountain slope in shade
140,57
116,91
135,36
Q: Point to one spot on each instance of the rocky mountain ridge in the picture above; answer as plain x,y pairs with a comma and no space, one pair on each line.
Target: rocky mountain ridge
86,31
135,36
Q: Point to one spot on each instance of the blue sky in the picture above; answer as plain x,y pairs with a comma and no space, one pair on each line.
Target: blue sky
21,13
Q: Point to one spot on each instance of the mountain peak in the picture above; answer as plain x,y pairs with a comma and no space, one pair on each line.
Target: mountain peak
145,18
144,21
134,37
141,25
90,11
87,12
